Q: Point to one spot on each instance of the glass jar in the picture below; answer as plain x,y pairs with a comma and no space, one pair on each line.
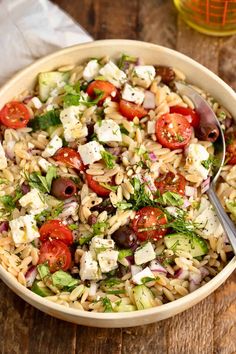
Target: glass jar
214,17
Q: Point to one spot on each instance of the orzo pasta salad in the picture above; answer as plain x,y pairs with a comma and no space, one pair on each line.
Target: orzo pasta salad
104,169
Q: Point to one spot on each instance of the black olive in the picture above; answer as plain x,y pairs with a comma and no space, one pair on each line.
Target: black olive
166,73
92,219
207,132
104,206
25,188
63,188
124,237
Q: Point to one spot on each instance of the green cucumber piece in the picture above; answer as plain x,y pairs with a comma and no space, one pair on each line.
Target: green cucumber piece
40,289
143,297
50,80
193,244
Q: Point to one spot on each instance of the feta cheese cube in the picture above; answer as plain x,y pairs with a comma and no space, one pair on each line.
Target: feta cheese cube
108,130
143,75
52,147
145,274
89,268
133,94
108,260
144,254
36,102
73,128
207,220
113,74
90,152
196,154
91,70
99,243
33,202
151,127
24,229
44,164
3,159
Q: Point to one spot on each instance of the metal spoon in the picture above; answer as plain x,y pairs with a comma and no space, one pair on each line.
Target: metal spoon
207,116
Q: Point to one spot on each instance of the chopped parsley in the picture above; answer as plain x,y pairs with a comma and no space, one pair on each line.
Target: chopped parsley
170,199
43,183
49,214
212,161
108,158
9,201
124,60
45,121
106,303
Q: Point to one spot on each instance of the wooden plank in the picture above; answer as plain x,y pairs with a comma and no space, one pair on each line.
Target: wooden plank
227,60
14,322
157,22
225,318
98,340
200,47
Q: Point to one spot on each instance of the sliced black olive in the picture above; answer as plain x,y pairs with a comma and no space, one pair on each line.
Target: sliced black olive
208,132
166,73
63,188
124,237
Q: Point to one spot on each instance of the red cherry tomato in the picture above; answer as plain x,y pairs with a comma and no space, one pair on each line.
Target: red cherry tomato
130,110
14,115
173,131
96,187
231,148
189,113
171,182
106,87
57,254
69,157
54,229
147,223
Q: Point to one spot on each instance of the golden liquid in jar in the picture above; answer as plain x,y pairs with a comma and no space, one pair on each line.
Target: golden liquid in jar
213,17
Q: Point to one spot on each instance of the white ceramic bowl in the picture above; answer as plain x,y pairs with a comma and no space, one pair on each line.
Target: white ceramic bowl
152,54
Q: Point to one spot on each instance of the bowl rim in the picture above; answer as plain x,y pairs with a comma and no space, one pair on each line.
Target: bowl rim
201,292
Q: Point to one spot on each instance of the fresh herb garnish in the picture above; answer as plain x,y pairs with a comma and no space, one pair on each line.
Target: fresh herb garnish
73,227
49,214
106,303
108,186
9,201
43,183
212,161
124,60
98,229
170,199
108,158
45,121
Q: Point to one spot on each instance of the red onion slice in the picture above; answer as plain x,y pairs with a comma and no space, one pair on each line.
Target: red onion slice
149,100
4,226
205,185
30,276
190,191
155,266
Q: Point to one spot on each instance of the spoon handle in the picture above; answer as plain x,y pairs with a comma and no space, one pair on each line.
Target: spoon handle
225,220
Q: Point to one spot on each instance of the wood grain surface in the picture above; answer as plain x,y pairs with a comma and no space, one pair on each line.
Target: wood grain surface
210,326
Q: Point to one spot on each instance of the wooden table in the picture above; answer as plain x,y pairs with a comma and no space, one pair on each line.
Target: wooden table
209,327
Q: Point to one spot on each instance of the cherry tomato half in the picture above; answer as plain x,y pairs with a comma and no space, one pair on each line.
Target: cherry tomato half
14,115
189,113
106,87
69,157
231,148
96,187
173,131
171,182
131,110
56,253
147,223
54,229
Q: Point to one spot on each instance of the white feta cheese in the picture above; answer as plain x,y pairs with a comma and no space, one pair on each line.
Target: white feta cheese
207,220
73,128
143,75
36,102
144,275
133,94
52,147
99,243
33,202
91,70
108,260
3,159
108,130
90,152
113,74
89,268
196,154
151,127
44,164
144,254
24,229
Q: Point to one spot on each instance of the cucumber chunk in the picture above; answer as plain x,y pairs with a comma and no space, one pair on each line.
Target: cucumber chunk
143,297
40,289
194,244
50,80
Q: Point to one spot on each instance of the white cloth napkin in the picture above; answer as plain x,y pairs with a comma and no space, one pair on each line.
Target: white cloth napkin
30,29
